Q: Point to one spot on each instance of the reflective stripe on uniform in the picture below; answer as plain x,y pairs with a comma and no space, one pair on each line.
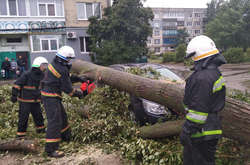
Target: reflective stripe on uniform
206,133
40,127
219,84
53,71
53,140
197,117
17,87
28,100
64,129
50,94
29,87
21,133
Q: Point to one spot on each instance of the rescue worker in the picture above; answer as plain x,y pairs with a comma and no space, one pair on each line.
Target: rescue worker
204,98
57,80
26,90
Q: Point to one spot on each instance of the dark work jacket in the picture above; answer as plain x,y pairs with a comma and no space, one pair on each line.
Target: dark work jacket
57,80
5,65
27,87
204,97
21,62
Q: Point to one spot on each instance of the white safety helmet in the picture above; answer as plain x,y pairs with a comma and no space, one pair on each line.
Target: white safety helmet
66,53
201,47
38,61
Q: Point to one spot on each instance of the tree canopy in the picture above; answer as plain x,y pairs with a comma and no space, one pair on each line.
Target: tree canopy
230,25
121,35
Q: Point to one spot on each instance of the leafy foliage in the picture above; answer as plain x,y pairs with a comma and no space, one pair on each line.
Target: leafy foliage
180,53
230,25
121,36
110,128
181,36
234,55
169,57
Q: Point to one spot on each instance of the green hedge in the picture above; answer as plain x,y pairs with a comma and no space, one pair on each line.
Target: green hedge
169,57
234,55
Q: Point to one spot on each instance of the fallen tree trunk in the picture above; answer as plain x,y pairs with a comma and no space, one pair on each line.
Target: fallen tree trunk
19,145
236,114
159,130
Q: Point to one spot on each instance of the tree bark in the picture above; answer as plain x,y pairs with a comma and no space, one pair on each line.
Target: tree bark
159,130
19,145
236,114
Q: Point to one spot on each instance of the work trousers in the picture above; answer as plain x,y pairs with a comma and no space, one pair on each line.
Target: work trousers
24,110
200,153
57,128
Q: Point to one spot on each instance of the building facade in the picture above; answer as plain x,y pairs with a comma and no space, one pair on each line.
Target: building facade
167,22
31,28
77,13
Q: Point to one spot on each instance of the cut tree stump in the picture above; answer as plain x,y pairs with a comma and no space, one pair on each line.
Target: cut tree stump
19,145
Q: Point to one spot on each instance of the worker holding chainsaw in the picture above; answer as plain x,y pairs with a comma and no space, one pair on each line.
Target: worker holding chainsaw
57,80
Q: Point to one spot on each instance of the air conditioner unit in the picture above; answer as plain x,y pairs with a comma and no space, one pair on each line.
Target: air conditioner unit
71,35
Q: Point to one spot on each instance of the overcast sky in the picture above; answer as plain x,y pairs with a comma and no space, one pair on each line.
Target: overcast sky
177,3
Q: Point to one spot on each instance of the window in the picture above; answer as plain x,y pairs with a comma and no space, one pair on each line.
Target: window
157,32
86,10
156,16
157,50
197,14
46,9
84,44
14,40
157,41
197,23
189,23
197,31
12,7
156,25
49,44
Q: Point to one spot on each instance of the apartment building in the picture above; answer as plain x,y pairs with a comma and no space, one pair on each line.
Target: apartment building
77,13
31,28
166,23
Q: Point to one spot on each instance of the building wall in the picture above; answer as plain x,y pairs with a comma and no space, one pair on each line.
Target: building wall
6,46
71,12
169,20
28,23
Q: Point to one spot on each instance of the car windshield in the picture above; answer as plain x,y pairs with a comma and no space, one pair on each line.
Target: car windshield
168,74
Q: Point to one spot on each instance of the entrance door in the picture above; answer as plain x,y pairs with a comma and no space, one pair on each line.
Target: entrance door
25,56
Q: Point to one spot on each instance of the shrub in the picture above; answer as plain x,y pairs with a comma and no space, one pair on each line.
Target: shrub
180,53
169,57
247,55
234,55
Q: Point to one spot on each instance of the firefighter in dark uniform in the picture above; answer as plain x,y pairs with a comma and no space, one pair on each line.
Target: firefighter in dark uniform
26,90
56,81
203,100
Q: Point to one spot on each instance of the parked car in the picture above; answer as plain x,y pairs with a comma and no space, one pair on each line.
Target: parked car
144,111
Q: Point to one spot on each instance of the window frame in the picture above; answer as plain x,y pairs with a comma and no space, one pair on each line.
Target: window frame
8,9
49,44
47,10
157,43
84,42
158,48
85,10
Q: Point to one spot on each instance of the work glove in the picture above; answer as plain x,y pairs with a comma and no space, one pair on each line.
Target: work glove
78,94
185,139
13,99
87,87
